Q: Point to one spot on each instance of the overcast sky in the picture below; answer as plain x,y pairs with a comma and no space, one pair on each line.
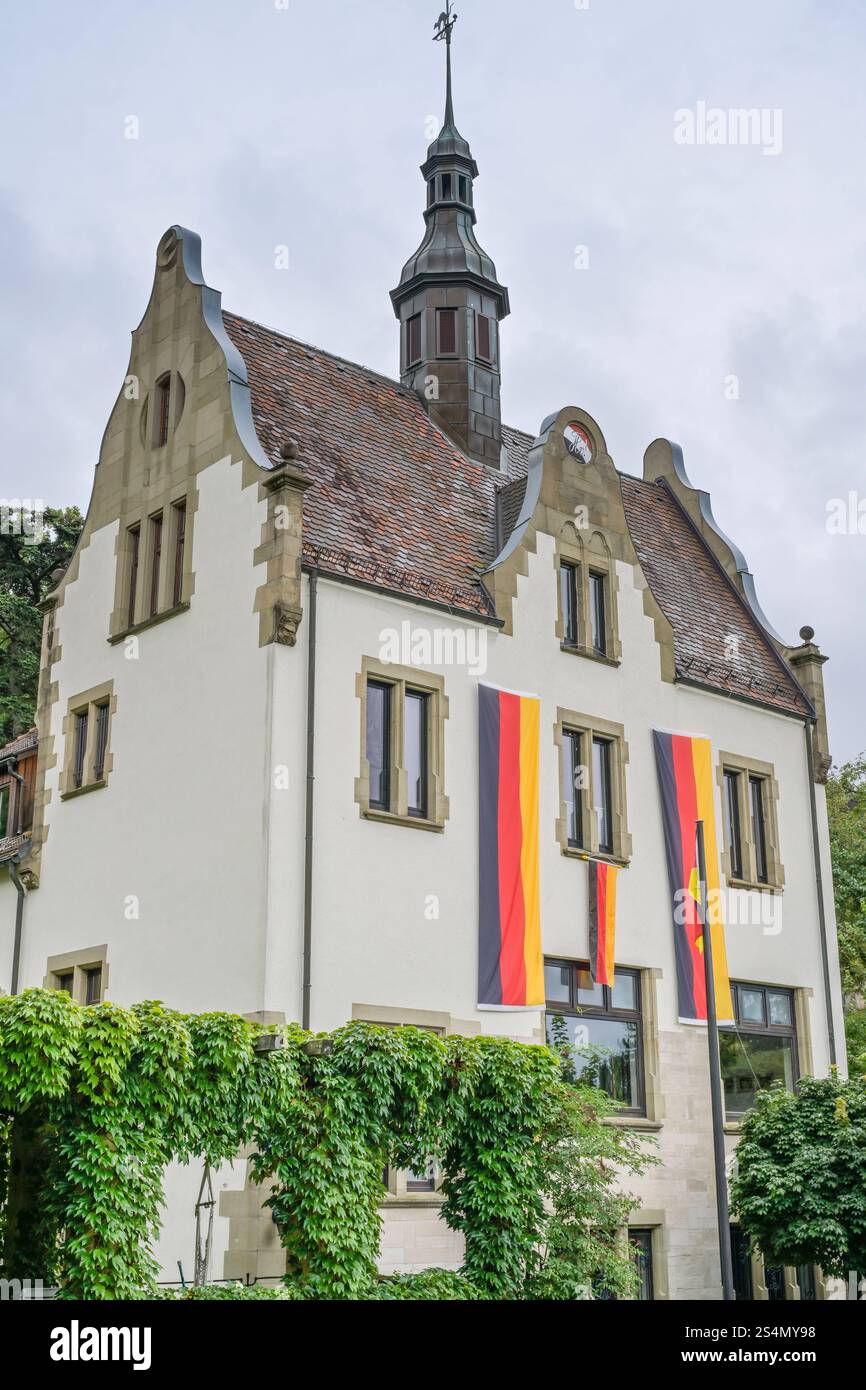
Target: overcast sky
724,300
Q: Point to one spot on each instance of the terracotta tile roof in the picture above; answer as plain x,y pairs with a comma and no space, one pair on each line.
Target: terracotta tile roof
702,606
393,503
24,743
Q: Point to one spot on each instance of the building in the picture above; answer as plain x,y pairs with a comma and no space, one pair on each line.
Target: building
257,783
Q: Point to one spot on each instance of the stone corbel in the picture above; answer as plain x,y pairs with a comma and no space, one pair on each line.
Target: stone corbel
278,600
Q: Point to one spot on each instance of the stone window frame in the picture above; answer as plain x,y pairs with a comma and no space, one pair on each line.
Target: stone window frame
754,767
433,686
79,962
654,1222
590,555
397,1192
88,700
792,1286
165,504
571,721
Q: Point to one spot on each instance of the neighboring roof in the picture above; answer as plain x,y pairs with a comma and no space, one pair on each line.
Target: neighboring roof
702,605
18,747
395,504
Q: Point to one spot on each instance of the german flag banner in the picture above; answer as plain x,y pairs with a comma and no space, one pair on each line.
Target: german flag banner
686,784
510,967
602,921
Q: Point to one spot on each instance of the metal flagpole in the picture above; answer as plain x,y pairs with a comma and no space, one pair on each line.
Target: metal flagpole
725,1257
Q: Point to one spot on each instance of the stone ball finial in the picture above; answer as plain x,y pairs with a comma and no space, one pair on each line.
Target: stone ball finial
807,633
289,449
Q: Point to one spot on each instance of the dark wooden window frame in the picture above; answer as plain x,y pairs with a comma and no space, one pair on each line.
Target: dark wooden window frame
733,829
572,742
569,598
603,794
386,741
423,699
575,1010
598,611
156,525
162,414
79,753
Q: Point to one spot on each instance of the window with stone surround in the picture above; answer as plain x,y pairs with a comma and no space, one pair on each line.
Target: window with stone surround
83,975
760,1048
402,777
87,732
593,755
153,573
750,793
587,612
598,1030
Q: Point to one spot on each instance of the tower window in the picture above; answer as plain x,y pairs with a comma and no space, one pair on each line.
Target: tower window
484,338
446,332
413,340
431,192
447,185
461,188
162,413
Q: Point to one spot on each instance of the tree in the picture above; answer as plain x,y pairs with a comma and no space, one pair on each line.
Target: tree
846,809
800,1186
32,547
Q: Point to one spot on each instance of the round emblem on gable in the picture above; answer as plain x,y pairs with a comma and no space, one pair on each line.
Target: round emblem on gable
578,442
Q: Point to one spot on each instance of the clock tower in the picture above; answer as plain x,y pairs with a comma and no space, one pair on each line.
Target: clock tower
449,301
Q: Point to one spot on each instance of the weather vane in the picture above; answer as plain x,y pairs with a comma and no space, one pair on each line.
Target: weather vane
444,24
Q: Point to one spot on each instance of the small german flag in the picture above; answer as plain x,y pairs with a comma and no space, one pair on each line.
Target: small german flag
602,921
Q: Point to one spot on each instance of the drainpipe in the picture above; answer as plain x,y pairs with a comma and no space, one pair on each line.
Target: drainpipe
819,887
19,923
308,813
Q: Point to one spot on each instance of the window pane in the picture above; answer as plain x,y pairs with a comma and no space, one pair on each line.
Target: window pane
589,994
774,1280
64,982
756,792
101,741
751,1005
80,747
597,618
422,1182
601,1051
571,772
93,985
416,751
624,995
742,1261
806,1281
641,1243
732,822
568,600
601,793
134,540
752,1062
461,185
5,798
779,1004
179,542
446,185
155,559
378,743
557,981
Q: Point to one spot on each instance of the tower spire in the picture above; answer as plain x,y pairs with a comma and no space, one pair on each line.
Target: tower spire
442,30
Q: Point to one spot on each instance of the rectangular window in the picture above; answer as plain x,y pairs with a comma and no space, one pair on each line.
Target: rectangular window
101,741
416,741
65,981
413,340
422,1182
134,546
446,332
601,792
483,338
93,985
597,614
597,1030
761,1046
379,744
807,1283
732,822
742,1262
573,778
5,809
163,411
446,187
641,1242
461,187
759,837
80,751
155,561
568,601
179,544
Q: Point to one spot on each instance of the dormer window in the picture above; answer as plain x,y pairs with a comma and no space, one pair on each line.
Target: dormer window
162,411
